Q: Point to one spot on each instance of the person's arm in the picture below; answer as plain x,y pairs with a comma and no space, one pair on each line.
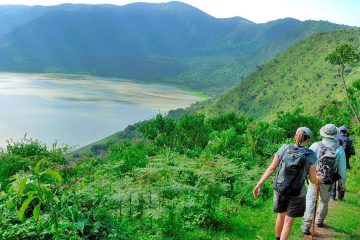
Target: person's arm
270,170
312,173
315,178
342,168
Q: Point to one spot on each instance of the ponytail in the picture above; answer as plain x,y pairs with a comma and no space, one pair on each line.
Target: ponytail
300,137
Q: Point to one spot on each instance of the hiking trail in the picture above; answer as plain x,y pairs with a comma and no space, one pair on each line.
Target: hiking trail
324,233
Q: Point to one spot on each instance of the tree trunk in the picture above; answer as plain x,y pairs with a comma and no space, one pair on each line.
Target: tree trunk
347,94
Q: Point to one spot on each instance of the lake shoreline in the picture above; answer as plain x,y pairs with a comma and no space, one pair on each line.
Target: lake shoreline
53,101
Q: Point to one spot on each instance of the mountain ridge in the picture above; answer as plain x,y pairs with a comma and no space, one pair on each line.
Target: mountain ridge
172,43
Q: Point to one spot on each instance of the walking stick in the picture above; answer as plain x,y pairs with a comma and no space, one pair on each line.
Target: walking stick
316,203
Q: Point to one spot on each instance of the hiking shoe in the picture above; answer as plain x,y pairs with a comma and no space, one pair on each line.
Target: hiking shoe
305,230
320,225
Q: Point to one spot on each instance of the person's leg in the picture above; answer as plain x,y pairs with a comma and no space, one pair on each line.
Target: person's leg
333,190
323,203
280,205
289,221
348,163
279,223
310,207
341,193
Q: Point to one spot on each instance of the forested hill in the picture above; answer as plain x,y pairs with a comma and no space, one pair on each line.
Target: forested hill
169,42
298,77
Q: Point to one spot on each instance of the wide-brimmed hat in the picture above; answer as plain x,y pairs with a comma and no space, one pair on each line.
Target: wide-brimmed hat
329,131
306,130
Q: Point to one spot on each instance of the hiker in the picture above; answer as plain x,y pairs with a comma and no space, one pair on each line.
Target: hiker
332,165
295,163
346,143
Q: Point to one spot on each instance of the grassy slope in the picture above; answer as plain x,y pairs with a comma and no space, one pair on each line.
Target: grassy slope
298,77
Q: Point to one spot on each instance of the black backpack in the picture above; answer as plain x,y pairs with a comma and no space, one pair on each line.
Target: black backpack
347,144
289,180
326,163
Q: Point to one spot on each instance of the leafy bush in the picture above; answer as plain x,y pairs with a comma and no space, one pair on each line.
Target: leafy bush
290,121
189,134
229,120
24,154
131,155
335,112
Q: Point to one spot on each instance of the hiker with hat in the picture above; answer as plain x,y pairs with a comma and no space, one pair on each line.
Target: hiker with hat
294,163
346,142
331,164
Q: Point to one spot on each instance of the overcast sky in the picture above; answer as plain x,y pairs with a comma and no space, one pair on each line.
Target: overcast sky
337,11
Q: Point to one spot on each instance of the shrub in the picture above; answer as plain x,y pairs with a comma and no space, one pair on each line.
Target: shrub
290,121
131,155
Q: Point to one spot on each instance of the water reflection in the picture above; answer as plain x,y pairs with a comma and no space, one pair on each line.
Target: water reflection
78,110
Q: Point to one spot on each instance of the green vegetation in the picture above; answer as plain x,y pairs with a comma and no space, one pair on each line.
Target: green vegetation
346,211
185,178
189,176
171,42
298,77
343,56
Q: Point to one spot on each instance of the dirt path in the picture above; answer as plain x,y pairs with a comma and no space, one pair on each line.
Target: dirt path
323,233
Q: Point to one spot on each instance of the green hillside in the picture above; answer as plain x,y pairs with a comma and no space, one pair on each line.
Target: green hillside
298,77
169,42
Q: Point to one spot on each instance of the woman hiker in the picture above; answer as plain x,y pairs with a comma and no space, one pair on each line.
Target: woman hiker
295,162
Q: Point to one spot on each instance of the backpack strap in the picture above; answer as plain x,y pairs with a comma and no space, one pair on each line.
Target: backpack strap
335,147
321,145
290,147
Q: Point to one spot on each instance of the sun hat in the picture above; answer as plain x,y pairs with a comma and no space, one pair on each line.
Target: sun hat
329,131
306,130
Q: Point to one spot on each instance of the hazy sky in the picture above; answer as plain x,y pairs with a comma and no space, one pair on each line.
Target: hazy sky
337,11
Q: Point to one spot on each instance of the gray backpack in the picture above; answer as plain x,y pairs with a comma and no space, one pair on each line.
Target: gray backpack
327,163
289,180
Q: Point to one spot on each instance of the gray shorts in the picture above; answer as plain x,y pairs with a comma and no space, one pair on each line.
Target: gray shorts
293,206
